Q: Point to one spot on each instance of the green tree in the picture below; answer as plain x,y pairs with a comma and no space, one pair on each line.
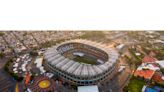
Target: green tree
162,70
1,55
34,53
1,33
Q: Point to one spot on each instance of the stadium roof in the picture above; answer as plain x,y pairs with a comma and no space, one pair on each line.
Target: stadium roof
93,88
53,57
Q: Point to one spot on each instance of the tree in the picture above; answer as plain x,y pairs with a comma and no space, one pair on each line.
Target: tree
34,53
162,70
2,34
1,54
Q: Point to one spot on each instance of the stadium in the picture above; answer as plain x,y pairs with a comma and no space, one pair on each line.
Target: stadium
82,62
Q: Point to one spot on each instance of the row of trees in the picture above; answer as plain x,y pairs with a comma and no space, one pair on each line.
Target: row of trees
1,55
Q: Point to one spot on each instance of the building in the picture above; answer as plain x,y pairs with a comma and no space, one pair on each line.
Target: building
158,77
149,59
161,63
120,47
39,65
93,88
58,60
146,74
150,66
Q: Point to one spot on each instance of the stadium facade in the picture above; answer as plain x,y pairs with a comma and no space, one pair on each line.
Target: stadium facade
58,60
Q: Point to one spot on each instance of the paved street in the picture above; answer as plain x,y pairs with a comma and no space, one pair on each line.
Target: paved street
7,83
116,84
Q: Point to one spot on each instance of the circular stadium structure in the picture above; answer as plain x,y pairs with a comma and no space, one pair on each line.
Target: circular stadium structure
82,62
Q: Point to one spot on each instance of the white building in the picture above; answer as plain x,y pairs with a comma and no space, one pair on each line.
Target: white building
93,88
148,66
119,47
38,63
161,63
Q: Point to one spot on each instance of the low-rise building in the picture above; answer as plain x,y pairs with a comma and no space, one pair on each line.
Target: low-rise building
146,74
93,88
158,77
149,59
161,63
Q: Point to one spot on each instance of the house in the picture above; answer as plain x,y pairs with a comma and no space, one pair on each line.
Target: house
149,59
146,74
150,66
158,77
146,70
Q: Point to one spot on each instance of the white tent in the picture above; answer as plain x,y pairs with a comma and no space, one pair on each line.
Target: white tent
93,88
15,65
18,59
138,54
15,69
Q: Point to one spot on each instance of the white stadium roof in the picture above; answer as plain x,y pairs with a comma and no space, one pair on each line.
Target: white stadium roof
53,57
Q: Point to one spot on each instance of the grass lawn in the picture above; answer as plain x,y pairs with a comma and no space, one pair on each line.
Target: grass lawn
135,85
84,60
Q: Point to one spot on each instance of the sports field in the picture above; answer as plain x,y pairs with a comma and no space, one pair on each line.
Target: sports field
85,60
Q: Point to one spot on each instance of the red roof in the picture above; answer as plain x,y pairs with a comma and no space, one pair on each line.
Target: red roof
157,77
147,74
148,59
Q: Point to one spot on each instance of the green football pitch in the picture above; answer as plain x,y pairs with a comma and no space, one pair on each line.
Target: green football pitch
85,60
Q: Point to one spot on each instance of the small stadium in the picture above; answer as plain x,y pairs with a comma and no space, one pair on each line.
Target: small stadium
82,62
